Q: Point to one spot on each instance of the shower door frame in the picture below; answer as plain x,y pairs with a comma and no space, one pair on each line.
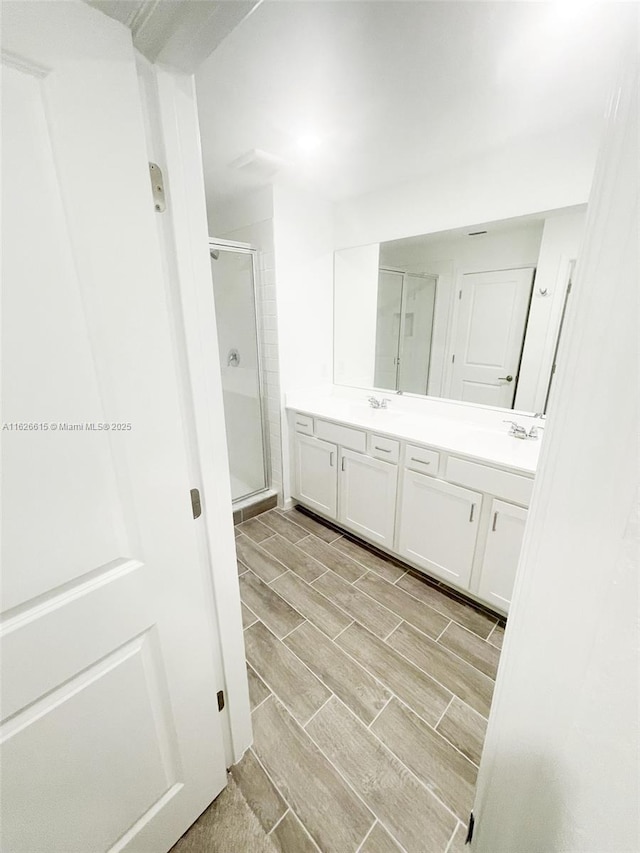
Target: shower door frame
248,249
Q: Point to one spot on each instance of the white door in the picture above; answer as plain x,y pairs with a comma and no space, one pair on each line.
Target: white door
502,553
490,329
439,526
368,489
316,474
110,732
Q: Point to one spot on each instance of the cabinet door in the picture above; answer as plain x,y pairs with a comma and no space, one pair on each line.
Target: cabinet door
368,489
316,474
502,553
439,526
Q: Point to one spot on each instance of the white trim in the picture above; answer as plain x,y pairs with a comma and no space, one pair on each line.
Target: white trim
185,182
230,244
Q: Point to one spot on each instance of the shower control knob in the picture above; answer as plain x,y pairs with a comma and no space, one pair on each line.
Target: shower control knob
233,358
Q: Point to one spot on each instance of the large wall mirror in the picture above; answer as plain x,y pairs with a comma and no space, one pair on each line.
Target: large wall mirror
473,315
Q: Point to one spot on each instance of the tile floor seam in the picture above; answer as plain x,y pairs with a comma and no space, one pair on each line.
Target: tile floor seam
435,726
375,600
284,799
315,713
289,633
262,701
446,649
444,591
326,597
268,583
281,818
422,603
395,628
350,786
408,769
394,695
373,825
333,639
433,678
341,775
388,689
450,622
391,752
258,619
391,696
464,660
273,557
453,835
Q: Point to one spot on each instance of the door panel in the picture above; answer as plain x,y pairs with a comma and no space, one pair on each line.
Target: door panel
489,335
368,496
439,526
502,553
316,474
110,733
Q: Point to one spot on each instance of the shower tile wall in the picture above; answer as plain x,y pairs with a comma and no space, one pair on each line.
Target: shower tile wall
260,235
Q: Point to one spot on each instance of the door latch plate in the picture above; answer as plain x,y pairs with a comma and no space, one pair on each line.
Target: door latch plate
157,188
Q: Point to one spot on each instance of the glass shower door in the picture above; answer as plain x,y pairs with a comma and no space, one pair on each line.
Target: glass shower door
233,273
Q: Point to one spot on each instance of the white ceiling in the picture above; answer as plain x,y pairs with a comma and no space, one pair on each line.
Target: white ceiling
396,90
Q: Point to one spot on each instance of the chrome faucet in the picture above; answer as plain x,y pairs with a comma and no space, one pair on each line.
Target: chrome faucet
519,431
378,404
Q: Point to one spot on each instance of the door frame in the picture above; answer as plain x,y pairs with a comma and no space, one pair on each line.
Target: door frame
169,100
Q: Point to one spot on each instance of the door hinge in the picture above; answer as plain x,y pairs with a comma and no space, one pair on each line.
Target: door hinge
472,823
196,504
157,188
570,285
220,700
453,359
459,294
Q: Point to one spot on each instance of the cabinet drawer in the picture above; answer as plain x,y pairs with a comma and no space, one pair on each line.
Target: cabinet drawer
303,423
502,484
422,460
354,439
384,448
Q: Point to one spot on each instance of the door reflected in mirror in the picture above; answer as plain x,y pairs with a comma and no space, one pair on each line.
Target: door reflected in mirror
472,315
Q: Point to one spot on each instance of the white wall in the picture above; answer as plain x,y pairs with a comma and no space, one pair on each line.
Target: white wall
526,177
560,245
355,315
559,771
303,241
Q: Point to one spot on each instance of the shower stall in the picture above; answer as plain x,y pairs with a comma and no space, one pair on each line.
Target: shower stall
233,270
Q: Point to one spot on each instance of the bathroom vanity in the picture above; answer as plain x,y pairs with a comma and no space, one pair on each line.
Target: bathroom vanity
447,495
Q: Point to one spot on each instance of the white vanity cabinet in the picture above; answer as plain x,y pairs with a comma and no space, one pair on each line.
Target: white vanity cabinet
456,518
316,474
368,489
438,524
501,553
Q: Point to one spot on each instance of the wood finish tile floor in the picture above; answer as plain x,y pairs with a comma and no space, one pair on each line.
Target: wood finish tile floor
369,687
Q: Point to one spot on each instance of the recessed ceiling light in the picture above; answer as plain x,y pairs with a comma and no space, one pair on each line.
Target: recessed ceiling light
308,142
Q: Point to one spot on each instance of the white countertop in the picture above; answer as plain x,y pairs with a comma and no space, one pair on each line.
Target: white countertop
479,441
